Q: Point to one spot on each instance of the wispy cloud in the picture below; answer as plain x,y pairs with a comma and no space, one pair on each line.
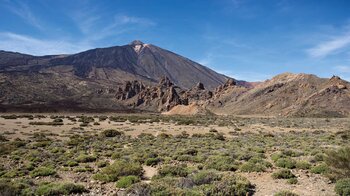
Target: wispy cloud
331,46
92,23
342,69
125,19
247,76
23,11
26,44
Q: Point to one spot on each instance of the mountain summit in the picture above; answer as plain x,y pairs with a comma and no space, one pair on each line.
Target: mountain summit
91,78
139,61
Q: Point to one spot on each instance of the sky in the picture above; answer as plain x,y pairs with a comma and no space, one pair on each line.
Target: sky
249,40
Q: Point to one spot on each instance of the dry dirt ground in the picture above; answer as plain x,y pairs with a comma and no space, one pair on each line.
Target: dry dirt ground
308,183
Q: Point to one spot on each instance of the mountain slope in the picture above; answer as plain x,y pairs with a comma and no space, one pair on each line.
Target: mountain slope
146,61
290,95
90,79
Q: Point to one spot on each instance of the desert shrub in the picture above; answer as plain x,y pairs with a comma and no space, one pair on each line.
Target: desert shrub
6,148
173,170
59,189
84,124
102,118
205,177
185,122
285,193
318,157
152,161
96,123
42,171
230,185
86,119
84,158
303,165
276,156
255,165
164,136
221,163
111,133
9,116
101,164
3,138
139,189
127,181
46,123
291,153
14,187
71,163
286,163
292,180
320,169
13,173
58,120
338,162
83,169
119,168
342,187
283,174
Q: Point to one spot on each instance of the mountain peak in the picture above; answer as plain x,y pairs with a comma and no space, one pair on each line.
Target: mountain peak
136,42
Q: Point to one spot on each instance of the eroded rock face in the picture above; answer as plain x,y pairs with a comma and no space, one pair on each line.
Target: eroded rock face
197,93
162,96
129,90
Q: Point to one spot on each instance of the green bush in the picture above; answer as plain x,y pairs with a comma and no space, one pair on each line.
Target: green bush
84,158
173,170
286,163
255,165
71,163
14,187
292,180
118,169
285,193
303,165
338,162
205,177
152,161
48,189
101,164
221,163
139,189
230,185
127,181
283,174
111,133
320,169
42,171
342,187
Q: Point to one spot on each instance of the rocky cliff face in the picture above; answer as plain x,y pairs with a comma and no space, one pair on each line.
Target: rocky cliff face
161,97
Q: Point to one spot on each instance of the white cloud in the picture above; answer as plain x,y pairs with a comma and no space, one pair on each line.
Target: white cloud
331,46
124,19
22,10
92,23
26,44
342,69
247,76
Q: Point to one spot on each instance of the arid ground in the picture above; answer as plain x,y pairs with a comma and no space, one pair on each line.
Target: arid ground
150,154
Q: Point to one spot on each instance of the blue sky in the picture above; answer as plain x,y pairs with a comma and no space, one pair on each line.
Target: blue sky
245,39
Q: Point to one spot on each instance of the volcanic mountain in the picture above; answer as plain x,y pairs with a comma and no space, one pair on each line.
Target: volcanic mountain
90,79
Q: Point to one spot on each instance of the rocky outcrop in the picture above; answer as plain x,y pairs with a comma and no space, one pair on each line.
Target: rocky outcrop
161,97
197,93
129,90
